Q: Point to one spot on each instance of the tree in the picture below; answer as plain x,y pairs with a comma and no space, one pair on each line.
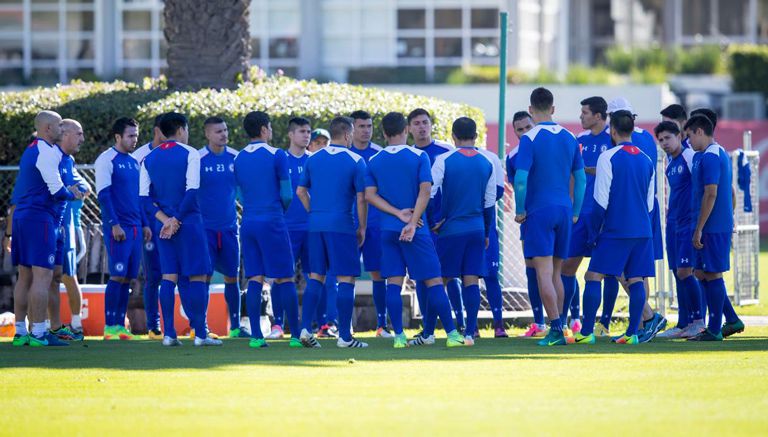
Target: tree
209,42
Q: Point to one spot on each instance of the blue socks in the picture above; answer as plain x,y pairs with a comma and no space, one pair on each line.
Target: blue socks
472,302
716,297
693,292
556,325
151,303
493,292
290,302
331,290
534,296
125,295
636,304
454,295
345,301
167,306
198,302
569,288
439,305
309,304
380,303
704,305
277,304
592,297
683,304
321,313
576,302
610,293
111,302
423,298
232,297
253,305
394,303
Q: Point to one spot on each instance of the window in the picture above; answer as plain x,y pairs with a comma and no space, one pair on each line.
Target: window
282,48
411,47
447,18
697,17
485,18
275,35
448,47
485,47
141,49
411,19
762,21
732,17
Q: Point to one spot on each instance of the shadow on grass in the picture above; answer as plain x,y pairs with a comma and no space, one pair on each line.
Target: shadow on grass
150,355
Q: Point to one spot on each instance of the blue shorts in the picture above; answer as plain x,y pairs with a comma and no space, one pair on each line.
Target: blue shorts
522,231
418,257
124,256
630,257
152,258
715,257
548,232
186,253
224,250
492,252
679,247
300,249
371,250
658,245
69,254
266,249
579,246
33,243
334,253
59,254
462,254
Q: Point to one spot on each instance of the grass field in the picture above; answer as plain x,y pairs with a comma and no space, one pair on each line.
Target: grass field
498,387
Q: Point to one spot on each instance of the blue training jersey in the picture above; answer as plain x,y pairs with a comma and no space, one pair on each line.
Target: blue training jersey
397,172
624,188
333,176
591,147
466,178
218,190
117,188
713,166
296,217
550,154
510,161
170,178
679,177
433,150
259,170
374,215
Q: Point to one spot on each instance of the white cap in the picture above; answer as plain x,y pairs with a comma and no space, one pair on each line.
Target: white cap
619,104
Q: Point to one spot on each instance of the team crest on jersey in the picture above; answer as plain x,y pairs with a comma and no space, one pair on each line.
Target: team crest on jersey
149,245
231,166
680,169
51,259
119,267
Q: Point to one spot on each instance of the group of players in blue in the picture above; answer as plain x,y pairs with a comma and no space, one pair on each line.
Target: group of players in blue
425,211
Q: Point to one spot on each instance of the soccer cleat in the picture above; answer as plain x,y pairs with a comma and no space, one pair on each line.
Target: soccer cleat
257,343
38,341
535,331
383,332
155,334
401,341
64,333
21,340
627,339
171,341
576,325
567,332
469,340
454,339
308,340
732,328
656,325
110,333
192,335
499,331
275,333
582,339
327,331
601,330
693,329
418,334
354,343
239,333
124,334
673,332
77,334
428,341
295,342
553,338
52,340
706,335
207,341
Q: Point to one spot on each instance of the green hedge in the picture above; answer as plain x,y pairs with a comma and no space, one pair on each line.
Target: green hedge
97,105
749,68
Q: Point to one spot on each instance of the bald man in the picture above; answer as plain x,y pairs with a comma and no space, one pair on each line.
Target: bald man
36,198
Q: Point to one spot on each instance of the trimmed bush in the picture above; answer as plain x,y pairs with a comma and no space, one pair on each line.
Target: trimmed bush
97,105
749,68
707,59
484,74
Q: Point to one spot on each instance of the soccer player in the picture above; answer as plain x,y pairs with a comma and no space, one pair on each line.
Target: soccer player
331,184
548,155
318,140
399,183
169,180
420,128
466,178
676,114
620,226
74,244
679,232
151,260
261,172
711,184
125,226
371,250
521,124
36,195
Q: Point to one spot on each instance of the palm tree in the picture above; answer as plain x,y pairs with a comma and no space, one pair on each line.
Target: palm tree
209,42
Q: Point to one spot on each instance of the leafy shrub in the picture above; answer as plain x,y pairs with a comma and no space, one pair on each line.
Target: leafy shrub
484,74
581,75
707,59
749,68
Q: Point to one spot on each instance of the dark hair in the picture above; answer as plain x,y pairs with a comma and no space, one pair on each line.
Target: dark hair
710,114
213,120
171,122
393,123
158,119
700,121
521,115
675,112
360,115
254,121
464,128
666,126
418,111
297,122
542,99
118,128
597,105
340,126
623,122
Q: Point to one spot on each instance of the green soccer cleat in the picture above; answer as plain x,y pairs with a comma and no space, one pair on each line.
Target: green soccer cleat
584,339
257,343
38,341
123,333
401,341
295,342
110,333
238,333
732,328
706,335
627,339
553,338
21,340
455,339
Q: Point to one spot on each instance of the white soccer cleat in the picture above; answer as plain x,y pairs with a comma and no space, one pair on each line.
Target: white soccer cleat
207,341
422,341
352,343
308,340
384,333
170,341
469,340
276,333
674,332
693,329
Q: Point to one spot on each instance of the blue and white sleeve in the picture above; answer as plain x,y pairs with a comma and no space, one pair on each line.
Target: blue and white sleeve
47,164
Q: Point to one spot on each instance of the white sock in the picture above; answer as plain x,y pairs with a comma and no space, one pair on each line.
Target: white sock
38,329
77,323
47,324
21,328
